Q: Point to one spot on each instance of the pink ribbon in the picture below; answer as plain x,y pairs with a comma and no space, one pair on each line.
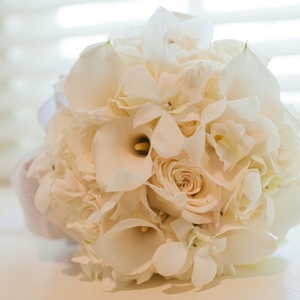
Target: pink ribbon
26,188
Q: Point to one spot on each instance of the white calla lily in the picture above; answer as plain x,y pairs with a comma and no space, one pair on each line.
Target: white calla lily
246,75
94,78
119,167
129,246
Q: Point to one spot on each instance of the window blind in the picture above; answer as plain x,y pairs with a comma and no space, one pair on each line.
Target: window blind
41,39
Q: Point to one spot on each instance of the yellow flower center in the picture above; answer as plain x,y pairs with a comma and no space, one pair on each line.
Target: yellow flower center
144,228
142,146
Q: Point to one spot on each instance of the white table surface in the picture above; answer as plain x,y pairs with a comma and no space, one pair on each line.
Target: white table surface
34,268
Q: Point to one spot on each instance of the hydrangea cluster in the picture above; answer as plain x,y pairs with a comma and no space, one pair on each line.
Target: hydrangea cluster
172,155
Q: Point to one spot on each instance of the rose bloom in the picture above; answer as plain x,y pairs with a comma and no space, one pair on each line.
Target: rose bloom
180,188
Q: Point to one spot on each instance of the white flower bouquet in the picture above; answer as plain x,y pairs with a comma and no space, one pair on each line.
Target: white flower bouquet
169,153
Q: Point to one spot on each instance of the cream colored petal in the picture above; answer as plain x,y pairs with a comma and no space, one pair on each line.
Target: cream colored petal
161,199
205,270
108,206
118,166
199,29
246,75
182,228
162,18
42,196
195,148
195,218
94,78
138,82
156,49
287,212
126,248
146,113
233,144
252,186
218,245
242,109
246,246
167,139
266,136
204,156
169,258
213,111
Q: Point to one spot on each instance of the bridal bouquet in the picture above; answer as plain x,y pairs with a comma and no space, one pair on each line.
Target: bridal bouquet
169,153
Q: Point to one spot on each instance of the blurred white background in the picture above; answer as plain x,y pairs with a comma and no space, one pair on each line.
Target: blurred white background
41,39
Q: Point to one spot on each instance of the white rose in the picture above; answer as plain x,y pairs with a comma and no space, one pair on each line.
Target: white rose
182,189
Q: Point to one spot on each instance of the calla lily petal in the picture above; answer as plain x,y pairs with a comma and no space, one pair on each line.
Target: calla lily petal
94,78
246,75
118,166
126,248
